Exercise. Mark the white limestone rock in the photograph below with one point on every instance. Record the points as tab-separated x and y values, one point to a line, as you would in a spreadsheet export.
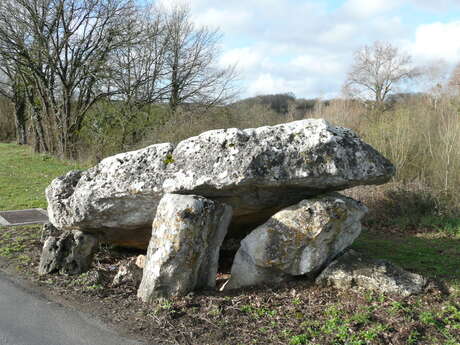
183	253
353	270
299	240
140	261
256	171
116	199
128	273
70	253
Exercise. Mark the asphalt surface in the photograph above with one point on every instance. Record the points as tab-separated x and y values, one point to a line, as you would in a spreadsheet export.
27	318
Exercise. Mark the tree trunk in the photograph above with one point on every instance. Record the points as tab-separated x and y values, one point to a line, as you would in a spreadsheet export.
174	98
40	139
20	120
70	148
41	142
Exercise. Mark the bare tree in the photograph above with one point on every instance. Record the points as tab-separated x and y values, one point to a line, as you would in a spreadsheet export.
16	85
137	71
191	62
69	54
138	76
64	45
170	61
12	88
376	70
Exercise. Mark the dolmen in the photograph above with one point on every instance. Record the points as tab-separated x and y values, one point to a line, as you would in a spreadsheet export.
274	186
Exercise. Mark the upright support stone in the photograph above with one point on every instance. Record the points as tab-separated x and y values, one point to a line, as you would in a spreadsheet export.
299	240
70	253
48	230
183	252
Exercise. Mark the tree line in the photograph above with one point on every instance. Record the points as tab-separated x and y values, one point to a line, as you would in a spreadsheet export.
58	58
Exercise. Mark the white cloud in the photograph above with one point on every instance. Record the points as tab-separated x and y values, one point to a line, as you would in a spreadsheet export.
302	87
306	75
264	84
331	65
338	33
223	19
368	8
306	47
437	41
436	5
269	84
245	58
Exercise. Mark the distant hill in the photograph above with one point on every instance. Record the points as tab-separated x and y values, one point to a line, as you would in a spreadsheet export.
281	102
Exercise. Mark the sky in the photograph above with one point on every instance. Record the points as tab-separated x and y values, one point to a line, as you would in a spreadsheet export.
306	46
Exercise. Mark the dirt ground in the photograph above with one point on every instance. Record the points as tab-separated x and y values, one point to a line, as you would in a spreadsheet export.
297	312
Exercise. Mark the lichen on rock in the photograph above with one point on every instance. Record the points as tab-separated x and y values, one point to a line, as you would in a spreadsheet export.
298	240
183	253
354	270
257	171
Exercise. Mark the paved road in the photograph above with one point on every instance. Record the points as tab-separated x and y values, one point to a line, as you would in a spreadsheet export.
29	319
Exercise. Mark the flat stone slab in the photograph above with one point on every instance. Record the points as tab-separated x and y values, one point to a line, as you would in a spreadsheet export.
23	217
256	171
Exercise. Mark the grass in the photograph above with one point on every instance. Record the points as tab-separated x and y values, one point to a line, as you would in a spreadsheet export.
446	225
20	244
25	175
435	253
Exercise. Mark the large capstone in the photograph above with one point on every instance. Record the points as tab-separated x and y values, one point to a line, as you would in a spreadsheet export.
183	253
356	271
256	171
70	253
299	240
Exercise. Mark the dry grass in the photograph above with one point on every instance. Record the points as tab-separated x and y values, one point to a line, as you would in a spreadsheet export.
420	136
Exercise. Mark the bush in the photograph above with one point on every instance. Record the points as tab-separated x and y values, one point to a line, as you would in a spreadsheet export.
113	127
185	123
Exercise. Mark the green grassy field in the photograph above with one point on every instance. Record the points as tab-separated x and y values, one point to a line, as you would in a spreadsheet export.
433	254
24	176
